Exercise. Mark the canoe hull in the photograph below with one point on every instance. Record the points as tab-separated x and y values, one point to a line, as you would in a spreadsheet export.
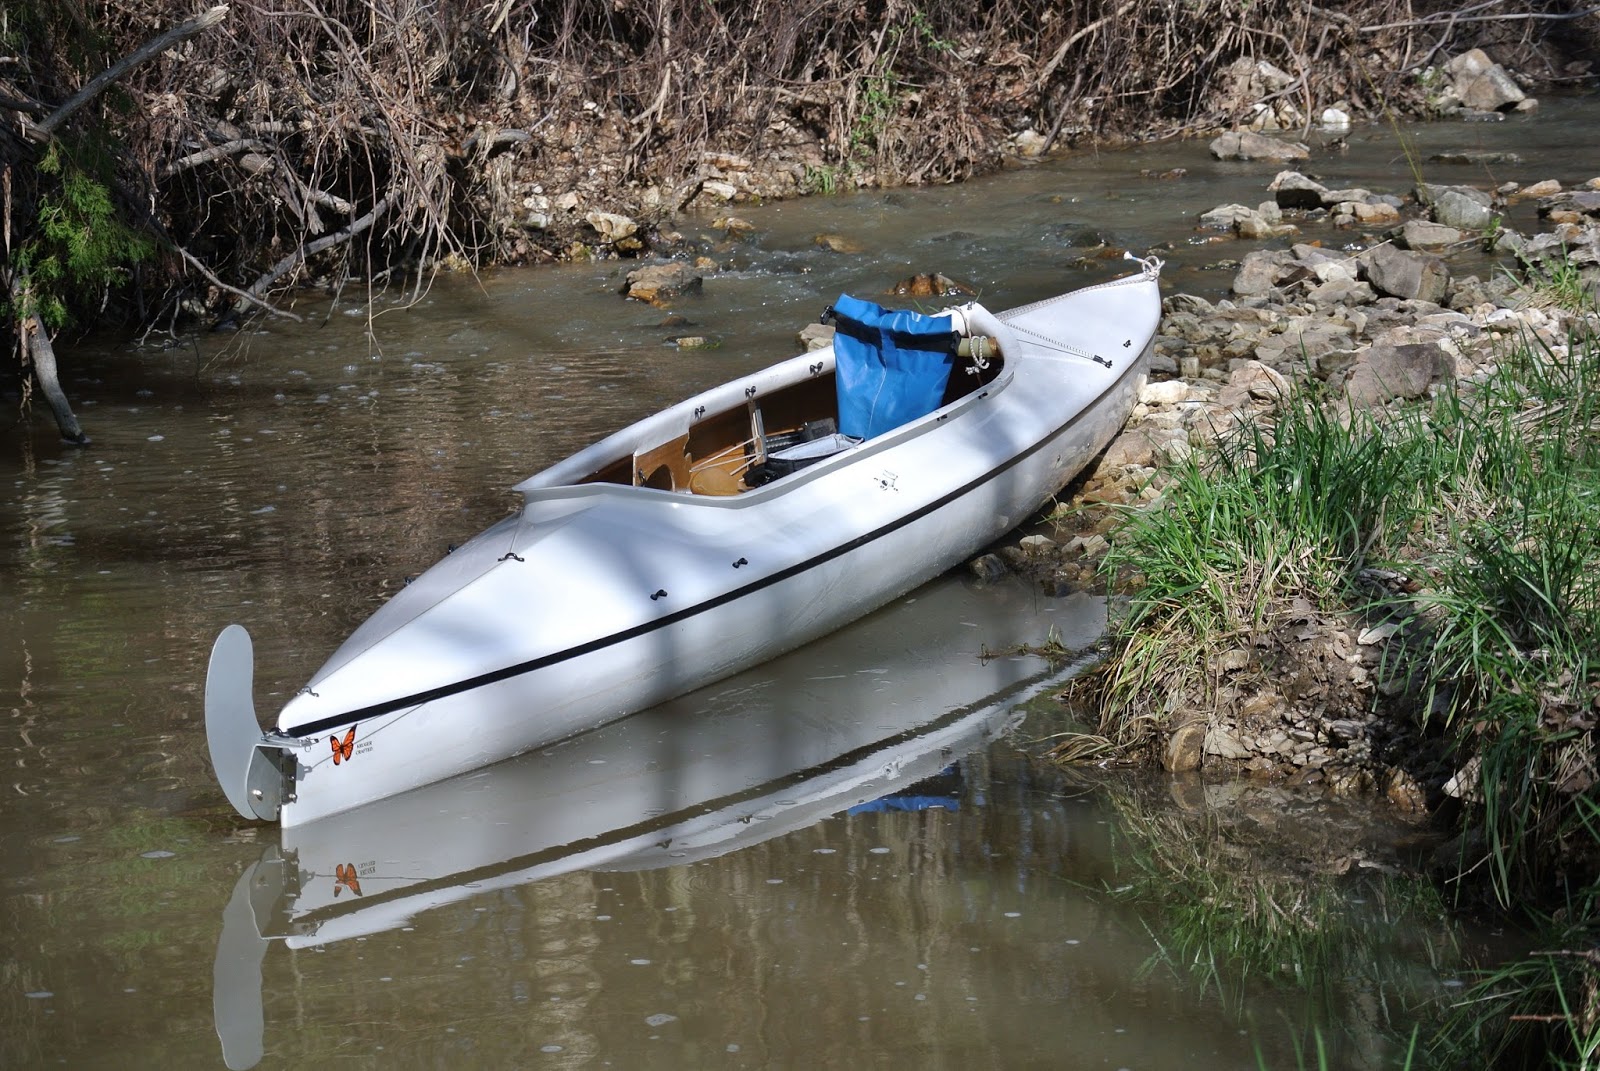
599	601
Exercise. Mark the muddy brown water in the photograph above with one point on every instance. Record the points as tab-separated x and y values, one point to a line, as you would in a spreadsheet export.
756	876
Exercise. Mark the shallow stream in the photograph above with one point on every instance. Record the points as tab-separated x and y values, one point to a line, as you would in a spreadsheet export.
755	876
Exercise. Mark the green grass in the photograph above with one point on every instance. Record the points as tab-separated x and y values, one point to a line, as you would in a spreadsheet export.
1487	497
1292	508
1560	282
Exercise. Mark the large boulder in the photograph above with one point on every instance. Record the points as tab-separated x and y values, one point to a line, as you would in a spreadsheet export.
1482	84
1248	145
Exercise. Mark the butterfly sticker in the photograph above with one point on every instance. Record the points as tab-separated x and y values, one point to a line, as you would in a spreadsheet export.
345	878
343	749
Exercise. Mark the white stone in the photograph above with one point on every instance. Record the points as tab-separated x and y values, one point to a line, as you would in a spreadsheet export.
1170	392
1329	271
1335	120
610	226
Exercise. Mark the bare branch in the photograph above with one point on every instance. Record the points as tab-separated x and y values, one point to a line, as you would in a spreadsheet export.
147	51
235	291
1061	51
1443	19
216	152
311	249
18	104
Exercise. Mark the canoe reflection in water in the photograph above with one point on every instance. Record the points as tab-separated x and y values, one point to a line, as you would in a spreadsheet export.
776	749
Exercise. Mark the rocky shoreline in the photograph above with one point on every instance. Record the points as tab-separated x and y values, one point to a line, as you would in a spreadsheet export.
594	218
1309	701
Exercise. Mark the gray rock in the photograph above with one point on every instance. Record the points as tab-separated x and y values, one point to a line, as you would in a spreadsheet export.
1292	190
1584	202
1189	303
1341	293
1354	194
1481	84
1420	235
1429	192
1258	272
1248	145
1227	217
1223	744
1385	372
1475	157
1305	341
1334	269
1252	382
1259	227
1454	208
1405	274
1310	255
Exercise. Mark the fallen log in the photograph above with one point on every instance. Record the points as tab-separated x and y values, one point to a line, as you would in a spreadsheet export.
152	48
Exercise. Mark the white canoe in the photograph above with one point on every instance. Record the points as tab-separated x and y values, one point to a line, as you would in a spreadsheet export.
641	567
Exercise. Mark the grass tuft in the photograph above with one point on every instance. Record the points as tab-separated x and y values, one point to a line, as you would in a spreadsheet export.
1487	499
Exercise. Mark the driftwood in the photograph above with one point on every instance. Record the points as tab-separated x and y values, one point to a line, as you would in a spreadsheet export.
36	348
244	296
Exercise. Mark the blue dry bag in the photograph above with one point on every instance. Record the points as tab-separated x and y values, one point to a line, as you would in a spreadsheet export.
891	367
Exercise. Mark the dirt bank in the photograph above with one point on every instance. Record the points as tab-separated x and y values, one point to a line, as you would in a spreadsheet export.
269	147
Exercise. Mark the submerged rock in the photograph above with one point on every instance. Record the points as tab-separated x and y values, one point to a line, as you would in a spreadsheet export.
1248	145
934	284
658	283
837	243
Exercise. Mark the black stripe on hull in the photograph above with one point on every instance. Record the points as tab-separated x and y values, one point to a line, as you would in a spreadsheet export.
336	721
